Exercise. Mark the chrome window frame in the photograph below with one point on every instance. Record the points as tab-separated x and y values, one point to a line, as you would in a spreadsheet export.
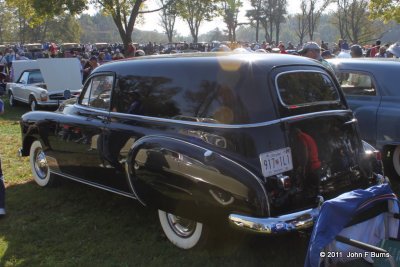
310	103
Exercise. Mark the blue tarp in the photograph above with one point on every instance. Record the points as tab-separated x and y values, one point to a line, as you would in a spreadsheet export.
336	213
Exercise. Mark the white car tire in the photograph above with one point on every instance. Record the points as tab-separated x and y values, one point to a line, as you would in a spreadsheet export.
396	160
40	168
11	100
183	233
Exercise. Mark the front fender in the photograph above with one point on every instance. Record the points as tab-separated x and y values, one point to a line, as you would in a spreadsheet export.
193	181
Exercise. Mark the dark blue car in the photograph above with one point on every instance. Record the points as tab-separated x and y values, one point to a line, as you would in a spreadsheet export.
372	90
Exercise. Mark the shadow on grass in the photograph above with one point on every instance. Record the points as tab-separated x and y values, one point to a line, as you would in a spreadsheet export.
74	225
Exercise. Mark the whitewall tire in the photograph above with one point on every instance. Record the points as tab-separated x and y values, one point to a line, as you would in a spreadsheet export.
183	233
40	168
396	160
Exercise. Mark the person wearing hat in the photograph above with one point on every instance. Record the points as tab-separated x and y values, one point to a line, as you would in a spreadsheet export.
326	54
313	50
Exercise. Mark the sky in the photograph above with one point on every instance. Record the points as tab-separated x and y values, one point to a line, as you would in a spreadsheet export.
151	22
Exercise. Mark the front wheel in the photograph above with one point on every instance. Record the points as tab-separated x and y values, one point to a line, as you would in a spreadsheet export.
39	166
183	233
11	100
33	104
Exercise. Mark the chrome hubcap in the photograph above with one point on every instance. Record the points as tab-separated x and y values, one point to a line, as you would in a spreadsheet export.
41	166
11	100
181	226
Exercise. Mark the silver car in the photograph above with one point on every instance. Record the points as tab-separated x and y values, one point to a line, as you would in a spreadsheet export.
44	82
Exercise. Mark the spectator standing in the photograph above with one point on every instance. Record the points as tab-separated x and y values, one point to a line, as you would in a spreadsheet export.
2	187
131	50
282	48
92	64
375	49
382	52
118	55
356	51
345	45
313	50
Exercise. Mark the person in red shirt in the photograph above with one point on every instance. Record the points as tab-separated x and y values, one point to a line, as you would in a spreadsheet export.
310	177
282	48
375	49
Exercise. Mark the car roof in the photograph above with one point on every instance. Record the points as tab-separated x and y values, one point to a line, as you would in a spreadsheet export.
368	63
269	60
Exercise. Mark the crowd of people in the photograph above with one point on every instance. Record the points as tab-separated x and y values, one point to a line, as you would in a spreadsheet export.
93	55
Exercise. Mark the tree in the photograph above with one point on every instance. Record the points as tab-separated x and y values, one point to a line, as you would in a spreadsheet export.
301	22
194	12
314	10
278	15
167	18
386	10
352	21
7	22
255	15
230	16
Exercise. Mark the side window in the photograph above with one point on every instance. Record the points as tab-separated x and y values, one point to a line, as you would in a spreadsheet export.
24	78
209	97
355	83
303	88
35	77
97	93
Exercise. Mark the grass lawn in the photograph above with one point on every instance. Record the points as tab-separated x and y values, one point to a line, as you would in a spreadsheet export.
76	225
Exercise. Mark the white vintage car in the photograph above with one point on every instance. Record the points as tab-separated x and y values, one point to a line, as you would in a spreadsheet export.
44	82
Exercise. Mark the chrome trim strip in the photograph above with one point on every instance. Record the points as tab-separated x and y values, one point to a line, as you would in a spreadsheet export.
131	185
304	104
234	162
275	225
109	189
215	125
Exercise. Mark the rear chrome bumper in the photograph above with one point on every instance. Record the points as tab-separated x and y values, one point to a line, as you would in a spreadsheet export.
275	225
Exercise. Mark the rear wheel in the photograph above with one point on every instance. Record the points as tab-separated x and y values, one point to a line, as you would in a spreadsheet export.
182	232
39	166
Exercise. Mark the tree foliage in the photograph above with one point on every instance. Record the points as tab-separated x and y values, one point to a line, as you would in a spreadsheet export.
230	11
352	21
194	12
168	18
386	10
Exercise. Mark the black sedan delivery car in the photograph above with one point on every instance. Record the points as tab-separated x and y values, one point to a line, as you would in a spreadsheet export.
255	140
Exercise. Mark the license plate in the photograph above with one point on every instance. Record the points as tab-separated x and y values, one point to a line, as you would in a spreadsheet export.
276	162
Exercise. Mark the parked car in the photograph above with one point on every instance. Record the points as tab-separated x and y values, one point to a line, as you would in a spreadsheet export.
371	87
254	140
44	82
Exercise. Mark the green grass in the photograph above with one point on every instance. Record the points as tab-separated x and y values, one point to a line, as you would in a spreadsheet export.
76	225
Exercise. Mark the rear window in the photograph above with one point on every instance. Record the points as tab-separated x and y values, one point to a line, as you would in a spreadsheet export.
305	88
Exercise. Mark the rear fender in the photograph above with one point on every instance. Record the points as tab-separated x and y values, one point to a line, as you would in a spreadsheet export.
192	181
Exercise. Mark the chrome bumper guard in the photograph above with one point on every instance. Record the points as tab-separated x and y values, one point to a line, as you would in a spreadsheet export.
275	225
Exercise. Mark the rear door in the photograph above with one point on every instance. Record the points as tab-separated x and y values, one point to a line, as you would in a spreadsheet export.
320	131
